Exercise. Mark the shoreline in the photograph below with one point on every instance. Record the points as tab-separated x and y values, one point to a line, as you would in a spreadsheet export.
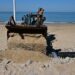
46	23
59	22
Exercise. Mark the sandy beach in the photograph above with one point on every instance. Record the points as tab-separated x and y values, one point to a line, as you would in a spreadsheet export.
64	37
30	52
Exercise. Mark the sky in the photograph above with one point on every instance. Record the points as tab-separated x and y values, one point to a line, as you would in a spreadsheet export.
33	5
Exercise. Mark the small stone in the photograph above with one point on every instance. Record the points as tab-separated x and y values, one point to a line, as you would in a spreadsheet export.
29	62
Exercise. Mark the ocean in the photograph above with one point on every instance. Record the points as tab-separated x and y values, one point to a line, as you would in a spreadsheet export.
51	17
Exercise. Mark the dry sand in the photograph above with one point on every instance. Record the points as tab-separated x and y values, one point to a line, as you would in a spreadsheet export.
3	38
25	57
65	35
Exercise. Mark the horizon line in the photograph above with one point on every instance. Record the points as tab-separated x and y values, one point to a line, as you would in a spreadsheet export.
35	11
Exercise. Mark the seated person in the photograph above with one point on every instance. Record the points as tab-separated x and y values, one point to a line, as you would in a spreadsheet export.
11	21
39	19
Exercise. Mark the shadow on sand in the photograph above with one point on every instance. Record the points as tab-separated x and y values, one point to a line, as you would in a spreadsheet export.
56	52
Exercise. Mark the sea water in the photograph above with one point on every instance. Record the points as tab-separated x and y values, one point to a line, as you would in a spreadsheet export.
51	17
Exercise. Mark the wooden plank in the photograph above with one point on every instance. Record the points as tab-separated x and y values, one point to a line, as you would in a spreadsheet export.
27	29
